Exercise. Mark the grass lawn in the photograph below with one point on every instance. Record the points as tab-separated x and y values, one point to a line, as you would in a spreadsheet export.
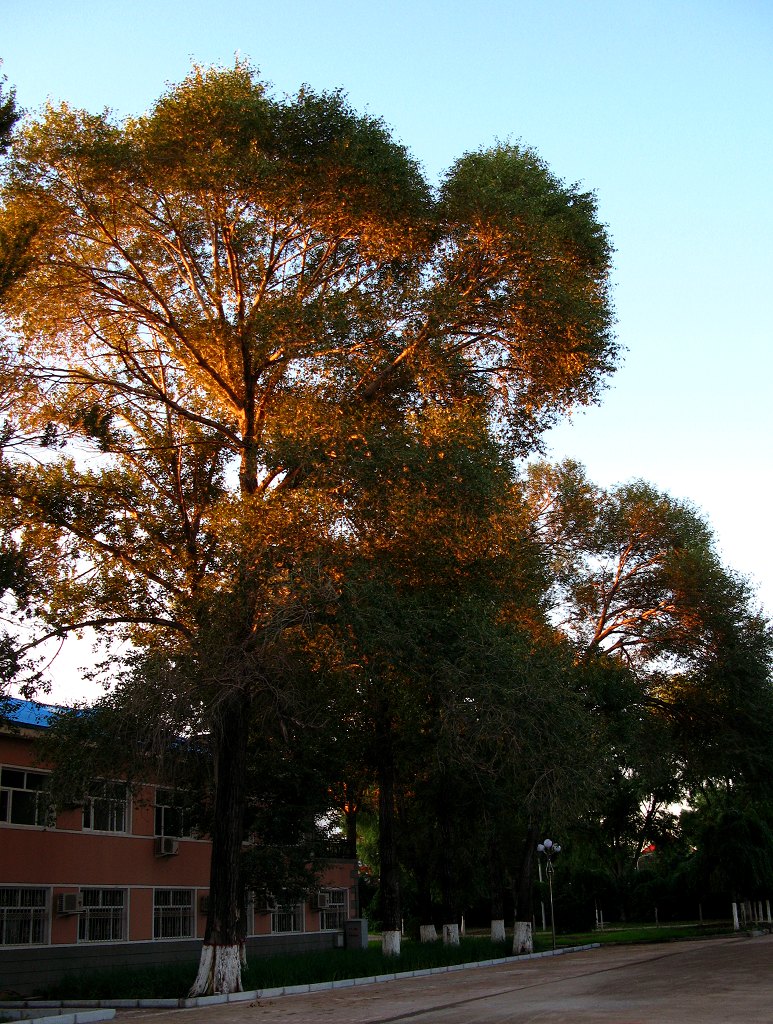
333	965
644	933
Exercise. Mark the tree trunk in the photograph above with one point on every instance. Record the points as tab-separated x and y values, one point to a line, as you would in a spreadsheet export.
523	941
450	925
221	957
496	888
387	846
427	929
350	807
351	833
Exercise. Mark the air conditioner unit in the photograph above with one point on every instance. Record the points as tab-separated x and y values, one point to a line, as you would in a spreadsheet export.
203	904
167	847
69	903
321	900
268	905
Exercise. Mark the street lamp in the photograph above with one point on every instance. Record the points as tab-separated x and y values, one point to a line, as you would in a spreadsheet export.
550	850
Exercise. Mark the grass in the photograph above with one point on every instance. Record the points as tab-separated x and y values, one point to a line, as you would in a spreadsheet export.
648	933
174	981
166	981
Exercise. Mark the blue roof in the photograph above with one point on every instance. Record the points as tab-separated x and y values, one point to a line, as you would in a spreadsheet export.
28	712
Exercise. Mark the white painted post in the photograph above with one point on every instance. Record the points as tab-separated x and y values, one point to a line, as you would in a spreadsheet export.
736	922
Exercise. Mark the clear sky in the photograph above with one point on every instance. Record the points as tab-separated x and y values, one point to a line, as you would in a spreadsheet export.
664	108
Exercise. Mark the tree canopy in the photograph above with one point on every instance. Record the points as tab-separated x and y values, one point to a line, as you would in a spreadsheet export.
229	318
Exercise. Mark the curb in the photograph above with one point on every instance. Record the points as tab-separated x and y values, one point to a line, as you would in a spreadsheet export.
62	1017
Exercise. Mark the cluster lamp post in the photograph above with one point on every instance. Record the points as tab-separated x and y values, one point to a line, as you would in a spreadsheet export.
550	850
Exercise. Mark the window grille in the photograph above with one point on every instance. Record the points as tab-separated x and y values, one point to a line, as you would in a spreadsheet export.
104	915
24	798
23	916
336	913
287	919
173	914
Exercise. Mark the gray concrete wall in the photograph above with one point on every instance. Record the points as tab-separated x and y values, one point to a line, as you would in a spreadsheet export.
24	970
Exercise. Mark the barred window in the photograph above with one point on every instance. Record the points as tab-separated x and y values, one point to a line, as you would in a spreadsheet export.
106	809
173	914
24	798
336	913
170	815
287	919
104	915
23	916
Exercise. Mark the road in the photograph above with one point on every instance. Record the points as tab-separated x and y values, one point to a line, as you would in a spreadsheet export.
715	981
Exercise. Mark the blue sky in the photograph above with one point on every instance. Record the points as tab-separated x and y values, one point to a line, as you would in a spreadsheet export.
664	109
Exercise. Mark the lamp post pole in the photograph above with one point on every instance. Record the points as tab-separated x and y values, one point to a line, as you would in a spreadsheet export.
550	849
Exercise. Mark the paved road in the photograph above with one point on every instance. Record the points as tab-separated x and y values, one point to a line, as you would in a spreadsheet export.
716	981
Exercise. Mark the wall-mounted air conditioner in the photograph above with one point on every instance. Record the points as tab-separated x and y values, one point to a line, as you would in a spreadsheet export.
167	847
204	905
69	903
321	900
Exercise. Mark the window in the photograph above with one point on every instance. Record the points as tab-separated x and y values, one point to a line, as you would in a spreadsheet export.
170	815
23	917
105	809
336	913
104	915
24	799
173	914
287	919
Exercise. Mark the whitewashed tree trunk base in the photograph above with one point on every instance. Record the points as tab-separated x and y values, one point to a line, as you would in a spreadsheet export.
450	934
390	943
498	931
523	941
220	971
427	933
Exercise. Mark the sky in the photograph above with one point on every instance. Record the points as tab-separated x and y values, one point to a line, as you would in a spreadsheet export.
663	109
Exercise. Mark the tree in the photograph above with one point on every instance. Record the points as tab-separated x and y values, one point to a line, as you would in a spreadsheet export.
15	237
674	657
438	551
222	299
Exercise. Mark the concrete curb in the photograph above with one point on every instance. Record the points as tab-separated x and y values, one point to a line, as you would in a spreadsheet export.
62	1017
104	1009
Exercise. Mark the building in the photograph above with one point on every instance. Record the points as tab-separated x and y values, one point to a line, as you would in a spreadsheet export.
121	880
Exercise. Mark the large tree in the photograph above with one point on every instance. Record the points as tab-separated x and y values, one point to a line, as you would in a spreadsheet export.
674	657
223	302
